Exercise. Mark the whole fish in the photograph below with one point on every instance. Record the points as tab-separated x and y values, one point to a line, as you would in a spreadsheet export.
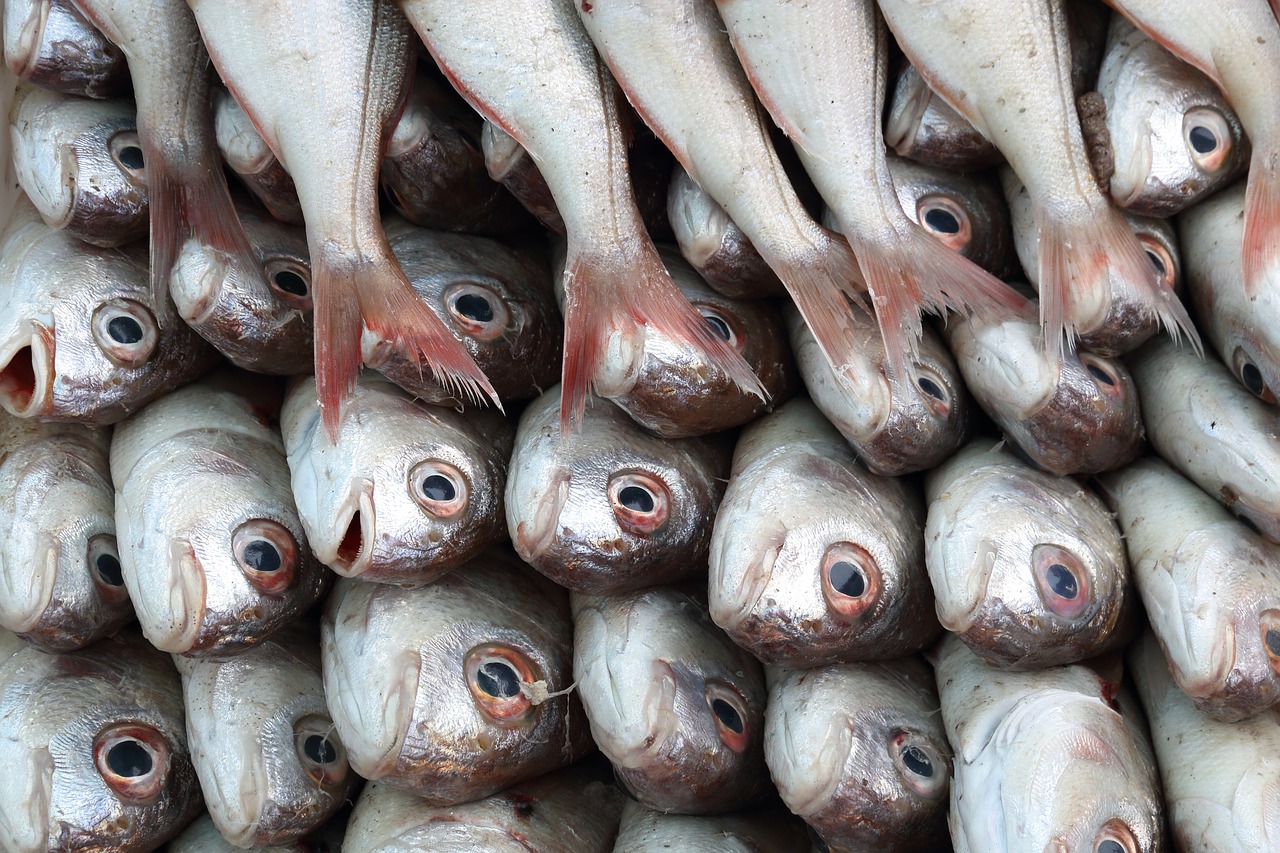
1028	567
647	831
509	163
202	836
50	43
406	492
94	748
1045	760
496	299
574	810
80	163
1006	67
1213	431
610	508
537	77
1210	587
323	83
894	430
1174	138
211	548
857	750
458	689
1243	327
252	160
1219	778
924	127
81	338
673	703
262	742
1074	414
832	571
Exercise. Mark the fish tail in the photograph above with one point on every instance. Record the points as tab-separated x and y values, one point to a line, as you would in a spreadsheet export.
602	295
1261	250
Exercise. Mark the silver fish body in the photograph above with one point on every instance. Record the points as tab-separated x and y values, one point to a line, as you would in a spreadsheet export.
508	162
1027	567
213	552
673	703
610	507
251	158
202	836
922	126
406	492
814	559
80	163
60	581
457	689
647	831
50	43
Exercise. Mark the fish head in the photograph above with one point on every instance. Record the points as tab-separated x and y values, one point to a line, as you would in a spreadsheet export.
1251	352
50	43
922	126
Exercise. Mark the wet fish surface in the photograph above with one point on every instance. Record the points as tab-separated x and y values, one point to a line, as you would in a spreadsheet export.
202	836
252	160
50	43
646	831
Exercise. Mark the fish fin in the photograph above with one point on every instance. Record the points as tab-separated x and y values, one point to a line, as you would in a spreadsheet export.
1261	250
370	289
602	295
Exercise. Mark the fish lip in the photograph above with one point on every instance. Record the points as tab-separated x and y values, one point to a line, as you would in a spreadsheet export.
905	113
533	537
200	265
187	587
14	380
32	28
361	502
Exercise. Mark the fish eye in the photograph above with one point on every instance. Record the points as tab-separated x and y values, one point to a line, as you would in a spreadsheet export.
477	311
1161	260
1103	374
126	332
729	710
640	501
1062	580
133	759
126	152
1270	634
495	676
1251	377
104	566
1115	837
290	281
850	580
726	327
920	764
439	488
267	554
320	752
1208	138
934	390
945	220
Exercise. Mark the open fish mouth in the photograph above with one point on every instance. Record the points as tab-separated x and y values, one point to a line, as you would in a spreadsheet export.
354	550
26	374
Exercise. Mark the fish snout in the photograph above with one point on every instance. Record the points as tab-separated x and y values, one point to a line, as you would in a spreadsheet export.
27	373
535	525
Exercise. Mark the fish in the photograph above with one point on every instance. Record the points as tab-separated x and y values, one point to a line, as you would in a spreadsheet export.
1006	68
262	742
80	163
922	126
94	747
251	159
895	430
211	547
495	298
60	582
1045	759
50	43
830	571
1075	414
1174	137
820	72
509	163
81	338
201	836
1240	325
1209	585
455	690
673	703
407	492
611	507
1219	779
857	750
1028	568
323	83
538	78
647	831
1214	432
575	809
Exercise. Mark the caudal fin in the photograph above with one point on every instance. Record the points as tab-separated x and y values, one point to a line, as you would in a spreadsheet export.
370	289
602	296
1261	250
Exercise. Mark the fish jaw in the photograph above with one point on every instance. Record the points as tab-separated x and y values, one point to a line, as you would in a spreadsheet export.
171	622
27	372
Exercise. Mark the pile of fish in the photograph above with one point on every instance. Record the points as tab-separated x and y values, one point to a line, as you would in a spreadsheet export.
681	425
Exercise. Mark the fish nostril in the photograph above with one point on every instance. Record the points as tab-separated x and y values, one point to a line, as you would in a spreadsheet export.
352	541
18	378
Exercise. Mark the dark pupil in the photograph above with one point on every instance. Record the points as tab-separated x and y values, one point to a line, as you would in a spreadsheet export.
727	714
1252	378
131	157
437	488
319	750
1273	642
720	326
1110	846
914	759
930	387
109	569
847	580
942	221
1062	582
290	282
1157	262
1099	374
261	556
636	499
129	759
124	330
1203	141
498	679
474	307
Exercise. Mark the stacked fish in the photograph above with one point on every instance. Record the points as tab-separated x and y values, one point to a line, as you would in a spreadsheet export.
324	430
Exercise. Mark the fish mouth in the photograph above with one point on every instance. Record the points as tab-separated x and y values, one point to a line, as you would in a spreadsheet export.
535	535
172	622
22	53
196	283
26	374
354	552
